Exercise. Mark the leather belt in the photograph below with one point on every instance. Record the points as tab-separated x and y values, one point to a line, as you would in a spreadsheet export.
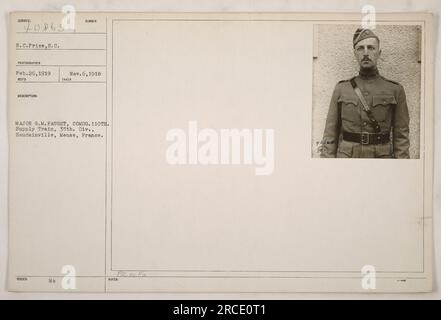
366	137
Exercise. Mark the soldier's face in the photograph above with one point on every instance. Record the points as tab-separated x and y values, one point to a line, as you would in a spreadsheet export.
367	52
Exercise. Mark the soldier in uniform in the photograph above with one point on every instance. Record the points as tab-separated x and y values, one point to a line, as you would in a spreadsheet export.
368	115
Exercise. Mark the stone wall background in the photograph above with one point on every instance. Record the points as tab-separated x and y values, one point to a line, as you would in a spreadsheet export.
334	61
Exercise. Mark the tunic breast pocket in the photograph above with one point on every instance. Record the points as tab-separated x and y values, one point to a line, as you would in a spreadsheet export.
349	109
381	106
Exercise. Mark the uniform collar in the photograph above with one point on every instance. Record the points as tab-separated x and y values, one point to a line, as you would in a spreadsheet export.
369	74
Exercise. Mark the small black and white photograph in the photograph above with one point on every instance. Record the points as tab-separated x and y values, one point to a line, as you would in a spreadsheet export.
366	91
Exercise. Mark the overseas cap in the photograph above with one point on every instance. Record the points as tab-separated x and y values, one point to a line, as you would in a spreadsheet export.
361	34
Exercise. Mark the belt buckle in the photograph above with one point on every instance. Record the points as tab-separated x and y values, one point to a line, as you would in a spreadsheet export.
364	138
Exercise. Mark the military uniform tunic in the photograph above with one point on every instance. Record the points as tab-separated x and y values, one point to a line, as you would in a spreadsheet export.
387	101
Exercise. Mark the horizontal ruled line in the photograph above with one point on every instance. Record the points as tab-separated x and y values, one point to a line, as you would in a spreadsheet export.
256	276
32	32
33	49
60	65
60	82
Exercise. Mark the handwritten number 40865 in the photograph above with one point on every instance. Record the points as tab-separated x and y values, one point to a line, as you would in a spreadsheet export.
44	27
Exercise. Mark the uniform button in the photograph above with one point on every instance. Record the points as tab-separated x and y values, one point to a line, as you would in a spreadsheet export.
364	123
